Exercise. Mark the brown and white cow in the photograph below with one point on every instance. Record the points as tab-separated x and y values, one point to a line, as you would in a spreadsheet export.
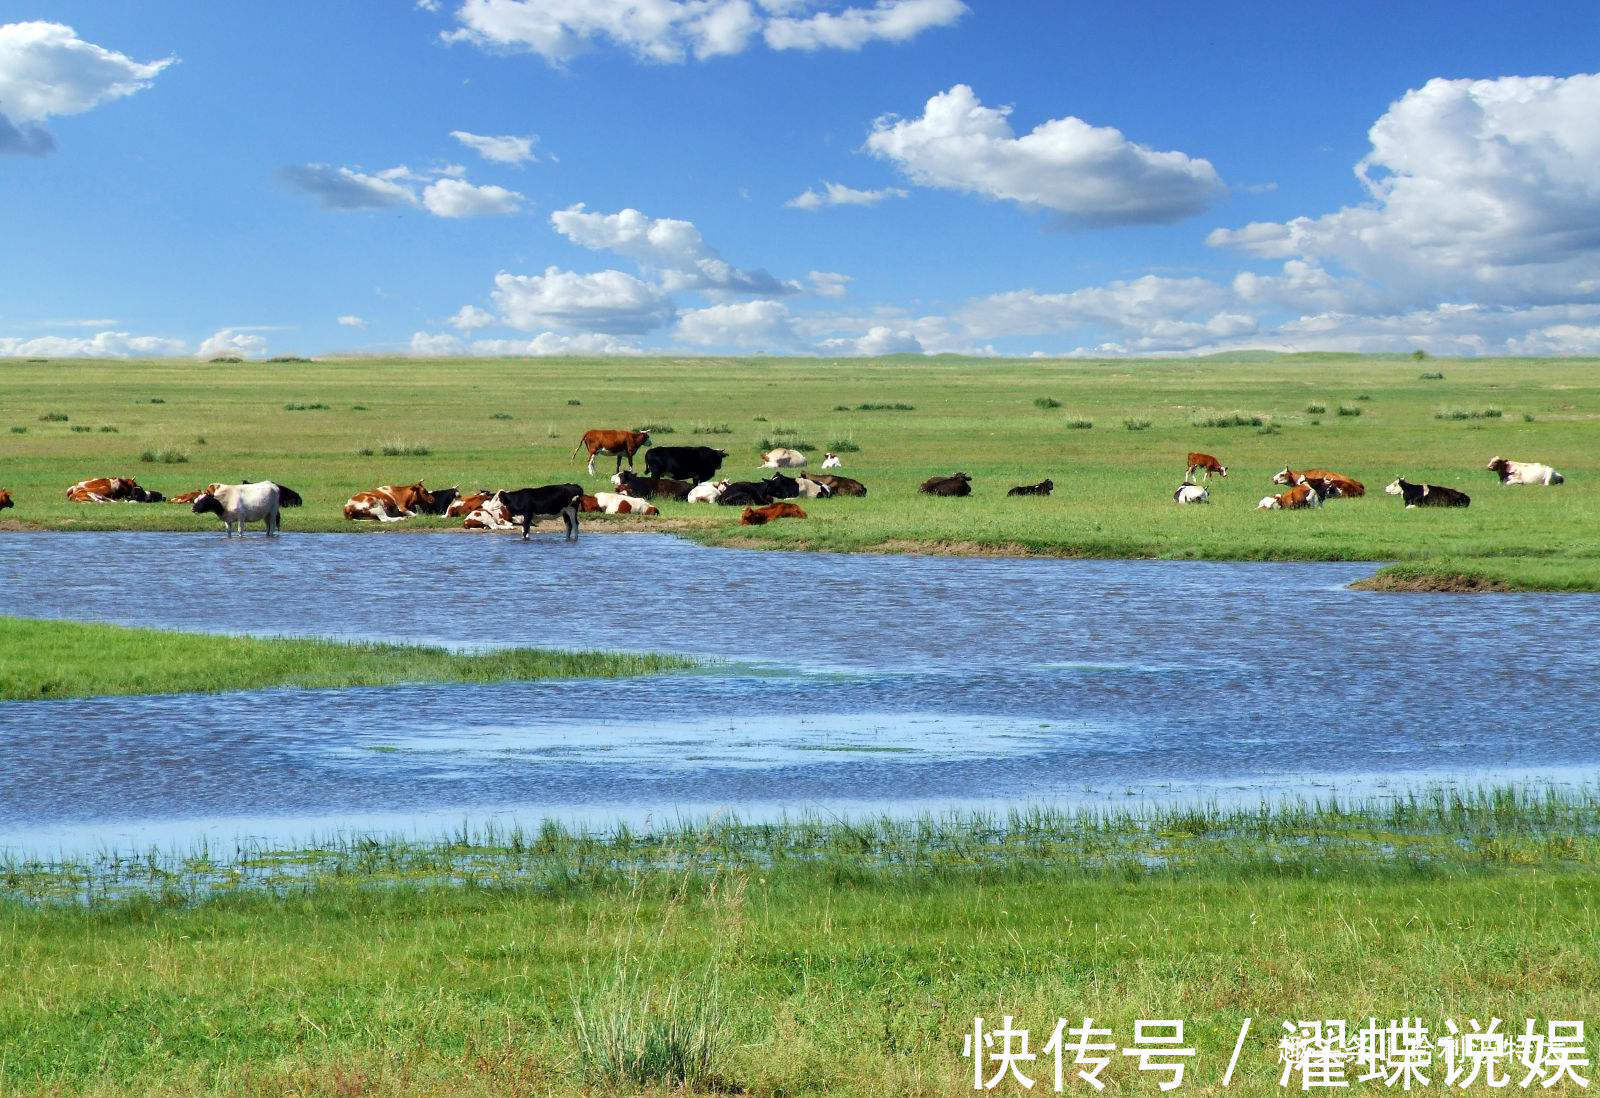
618	444
760	516
1524	472
5	499
1329	485
491	515
1204	463
111	490
190	497
389	503
1297	498
465	505
617	503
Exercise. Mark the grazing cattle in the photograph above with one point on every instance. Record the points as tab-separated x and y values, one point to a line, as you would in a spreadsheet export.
830	460
760	516
237	504
5	499
840	486
783	458
1524	472
615	503
1329	485
1190	492
1297	498
707	492
692	463
956	484
1427	495
390	503
465	505
552	499
812	488
620	444
1204	463
741	493
111	490
651	487
1043	488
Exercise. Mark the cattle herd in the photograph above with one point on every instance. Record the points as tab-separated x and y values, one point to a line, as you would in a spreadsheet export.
689	474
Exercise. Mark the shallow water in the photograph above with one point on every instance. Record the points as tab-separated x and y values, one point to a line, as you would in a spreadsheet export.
852	683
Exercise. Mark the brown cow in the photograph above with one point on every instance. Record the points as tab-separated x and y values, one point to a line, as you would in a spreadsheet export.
840	486
619	444
389	503
1204	463
5	499
1329	485
111	490
588	505
190	497
1300	496
465	505
956	484
760	516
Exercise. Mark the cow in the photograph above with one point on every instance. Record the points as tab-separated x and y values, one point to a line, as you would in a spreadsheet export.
1524	472
588	505
780	486
616	503
692	463
830	460
812	488
650	487
552	499
440	503
760	516
956	484
1427	495
618	444
840	486
707	492
389	503
783	458
190	497
237	504
1190	492
491	515
1043	488
5	499
1329	485
1298	498
465	505
740	493
111	490
1204	463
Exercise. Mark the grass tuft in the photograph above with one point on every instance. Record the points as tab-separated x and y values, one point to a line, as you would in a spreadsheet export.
295	406
1046	402
1316	409
711	429
1079	424
659	428
632	1036
844	446
1432	375
1136	424
53	417
1468	413
166	455
1349	410
1231	419
397	448
880	408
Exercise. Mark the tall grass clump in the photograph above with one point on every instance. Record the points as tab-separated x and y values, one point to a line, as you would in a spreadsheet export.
632	1036
1468	413
1349	410
1316	409
843	446
1433	375
711	429
502	415
1136	424
108	429
18	430
793	444
398	448
1046	402
53	417
295	406
659	428
158	400
80	429
574	402
1079	424
881	408
1231	419
1527	417
167	455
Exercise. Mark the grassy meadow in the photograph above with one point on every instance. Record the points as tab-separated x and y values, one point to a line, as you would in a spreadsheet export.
1112	435
64	659
799	958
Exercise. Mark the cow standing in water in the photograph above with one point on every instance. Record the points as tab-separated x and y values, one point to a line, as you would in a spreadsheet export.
237	504
531	503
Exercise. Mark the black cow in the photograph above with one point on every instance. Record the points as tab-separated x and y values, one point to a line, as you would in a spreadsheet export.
553	499
1428	495
442	499
693	463
288	497
630	484
782	487
144	495
1043	488
746	493
956	484
839	486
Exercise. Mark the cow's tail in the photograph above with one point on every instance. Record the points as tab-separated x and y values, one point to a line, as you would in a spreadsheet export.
576	448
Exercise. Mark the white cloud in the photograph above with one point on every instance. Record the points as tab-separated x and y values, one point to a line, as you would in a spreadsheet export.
100	345
435	344
506	149
46	70
470	318
837	194
1126	306
670	31
1091	175
351	321
761	324
553	343
607	301
232	341
880	339
829	283
458	198
346	189
670	246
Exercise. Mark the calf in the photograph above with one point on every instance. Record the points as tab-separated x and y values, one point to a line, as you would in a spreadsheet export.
5	499
783	458
1297	498
619	444
652	486
1043	488
1329	485
956	484
552	499
740	493
1427	495
1524	472
1204	463
237	504
1190	492
830	460
840	486
693	463
707	492
760	516
614	503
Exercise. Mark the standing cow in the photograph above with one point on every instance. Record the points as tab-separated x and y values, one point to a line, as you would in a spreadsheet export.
1204	463
692	463
531	503
237	504
618	444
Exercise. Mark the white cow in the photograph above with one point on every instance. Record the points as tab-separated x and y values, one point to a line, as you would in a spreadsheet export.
831	461
242	503
812	489
615	503
1190	492
707	491
782	458
1524	472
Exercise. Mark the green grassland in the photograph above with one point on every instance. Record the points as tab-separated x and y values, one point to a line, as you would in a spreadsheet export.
805	958
323	428
63	659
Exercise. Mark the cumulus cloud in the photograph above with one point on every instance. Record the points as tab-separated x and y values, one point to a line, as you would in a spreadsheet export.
337	188
837	194
880	339
761	325
441	192
506	149
46	71
458	198
435	344
469	318
829	283
610	301
668	246
351	321
232	341
670	31
554	343
99	345
1090	175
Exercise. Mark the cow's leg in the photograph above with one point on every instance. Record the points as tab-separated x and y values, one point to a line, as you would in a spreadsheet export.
619	460
569	515
591	462
527	525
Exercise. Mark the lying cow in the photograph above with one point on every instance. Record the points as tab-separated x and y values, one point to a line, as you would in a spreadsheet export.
1190	492
1329	485
617	503
390	503
111	490
1427	495
465	505
237	504
5	499
1043	488
490	515
956	484
618	444
760	516
190	497
742	493
552	499
691	463
812	488
1204	463
783	458
707	492
1524	472
830	460
442	499
840	486
652	486
1298	498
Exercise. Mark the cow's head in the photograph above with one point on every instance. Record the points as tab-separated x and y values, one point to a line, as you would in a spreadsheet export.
1287	476
207	504
1499	465
642	437
1394	488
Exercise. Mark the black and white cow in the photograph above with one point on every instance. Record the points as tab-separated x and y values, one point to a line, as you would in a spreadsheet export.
528	504
746	493
1427	495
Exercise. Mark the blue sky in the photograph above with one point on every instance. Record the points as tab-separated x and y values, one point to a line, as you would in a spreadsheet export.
1169	179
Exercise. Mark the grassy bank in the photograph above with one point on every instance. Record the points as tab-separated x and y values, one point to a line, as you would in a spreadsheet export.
61	659
328	428
803	958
